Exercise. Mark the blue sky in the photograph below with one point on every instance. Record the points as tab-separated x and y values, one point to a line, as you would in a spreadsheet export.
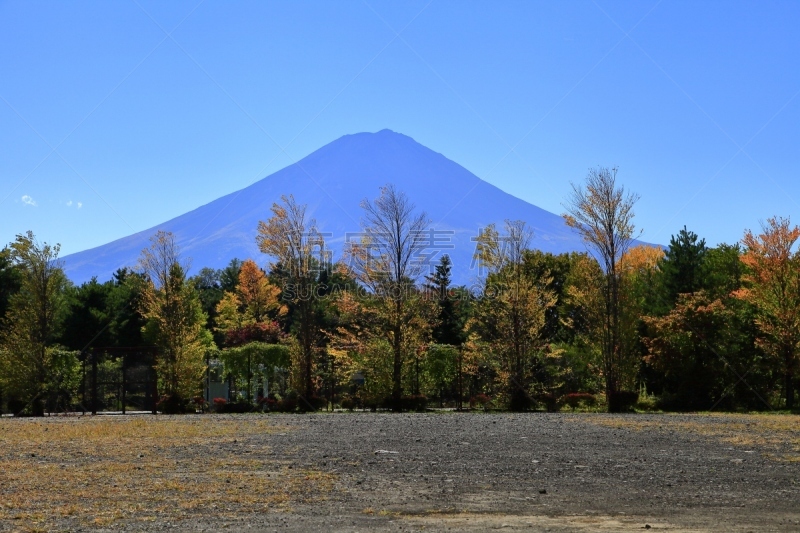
115	116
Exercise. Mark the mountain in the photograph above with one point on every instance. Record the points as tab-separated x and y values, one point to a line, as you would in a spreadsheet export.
332	181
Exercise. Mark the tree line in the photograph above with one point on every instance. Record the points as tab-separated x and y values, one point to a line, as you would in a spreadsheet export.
621	326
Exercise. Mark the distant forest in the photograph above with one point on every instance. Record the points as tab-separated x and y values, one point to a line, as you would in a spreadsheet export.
625	327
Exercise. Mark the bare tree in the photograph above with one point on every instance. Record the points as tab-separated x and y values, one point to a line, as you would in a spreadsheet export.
298	246
157	261
389	259
603	214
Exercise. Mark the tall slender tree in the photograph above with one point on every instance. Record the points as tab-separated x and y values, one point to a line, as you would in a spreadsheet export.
602	213
450	326
175	320
388	260
295	243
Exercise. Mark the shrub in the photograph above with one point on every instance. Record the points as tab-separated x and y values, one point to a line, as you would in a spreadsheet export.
221	405
415	402
348	403
268	403
238	407
520	402
578	399
549	400
316	402
17	407
286	405
622	401
480	400
200	403
219	402
647	402
172	404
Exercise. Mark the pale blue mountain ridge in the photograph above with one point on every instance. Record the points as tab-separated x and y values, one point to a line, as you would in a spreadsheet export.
333	181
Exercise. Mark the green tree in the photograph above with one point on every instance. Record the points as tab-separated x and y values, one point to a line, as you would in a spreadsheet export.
88	320
440	370
695	346
683	268
449	328
123	306
511	315
252	363
29	366
724	270
9	280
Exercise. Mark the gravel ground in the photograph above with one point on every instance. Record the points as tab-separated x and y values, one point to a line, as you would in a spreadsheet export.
476	472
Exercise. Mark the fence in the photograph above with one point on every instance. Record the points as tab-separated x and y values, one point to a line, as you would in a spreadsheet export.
119	380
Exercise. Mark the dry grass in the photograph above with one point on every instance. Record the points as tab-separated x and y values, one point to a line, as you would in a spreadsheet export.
776	435
60	473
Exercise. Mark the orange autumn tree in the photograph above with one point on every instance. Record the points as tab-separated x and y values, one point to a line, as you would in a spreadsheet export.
251	309
772	286
638	269
257	294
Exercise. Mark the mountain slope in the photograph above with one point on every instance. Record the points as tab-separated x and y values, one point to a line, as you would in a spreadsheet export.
332	181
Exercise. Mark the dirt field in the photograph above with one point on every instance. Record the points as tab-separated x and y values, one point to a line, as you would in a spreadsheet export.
432	472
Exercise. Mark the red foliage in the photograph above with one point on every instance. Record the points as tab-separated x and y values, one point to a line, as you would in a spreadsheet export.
481	400
269	332
574	399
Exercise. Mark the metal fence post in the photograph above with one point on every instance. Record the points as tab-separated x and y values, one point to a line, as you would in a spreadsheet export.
124	384
94	382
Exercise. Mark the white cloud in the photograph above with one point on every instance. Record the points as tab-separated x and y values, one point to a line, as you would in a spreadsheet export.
69	203
80	204
27	200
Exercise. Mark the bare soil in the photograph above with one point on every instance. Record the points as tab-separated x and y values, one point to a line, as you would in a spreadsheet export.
410	472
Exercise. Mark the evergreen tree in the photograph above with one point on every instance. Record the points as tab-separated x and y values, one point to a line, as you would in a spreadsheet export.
682	271
9	280
127	323
88	317
450	327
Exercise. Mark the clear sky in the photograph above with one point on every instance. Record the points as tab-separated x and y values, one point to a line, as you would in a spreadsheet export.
118	115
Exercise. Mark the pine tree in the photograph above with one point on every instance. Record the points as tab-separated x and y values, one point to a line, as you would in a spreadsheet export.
682	271
450	327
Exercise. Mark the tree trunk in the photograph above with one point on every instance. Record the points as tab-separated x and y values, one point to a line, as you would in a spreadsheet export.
308	351
397	377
